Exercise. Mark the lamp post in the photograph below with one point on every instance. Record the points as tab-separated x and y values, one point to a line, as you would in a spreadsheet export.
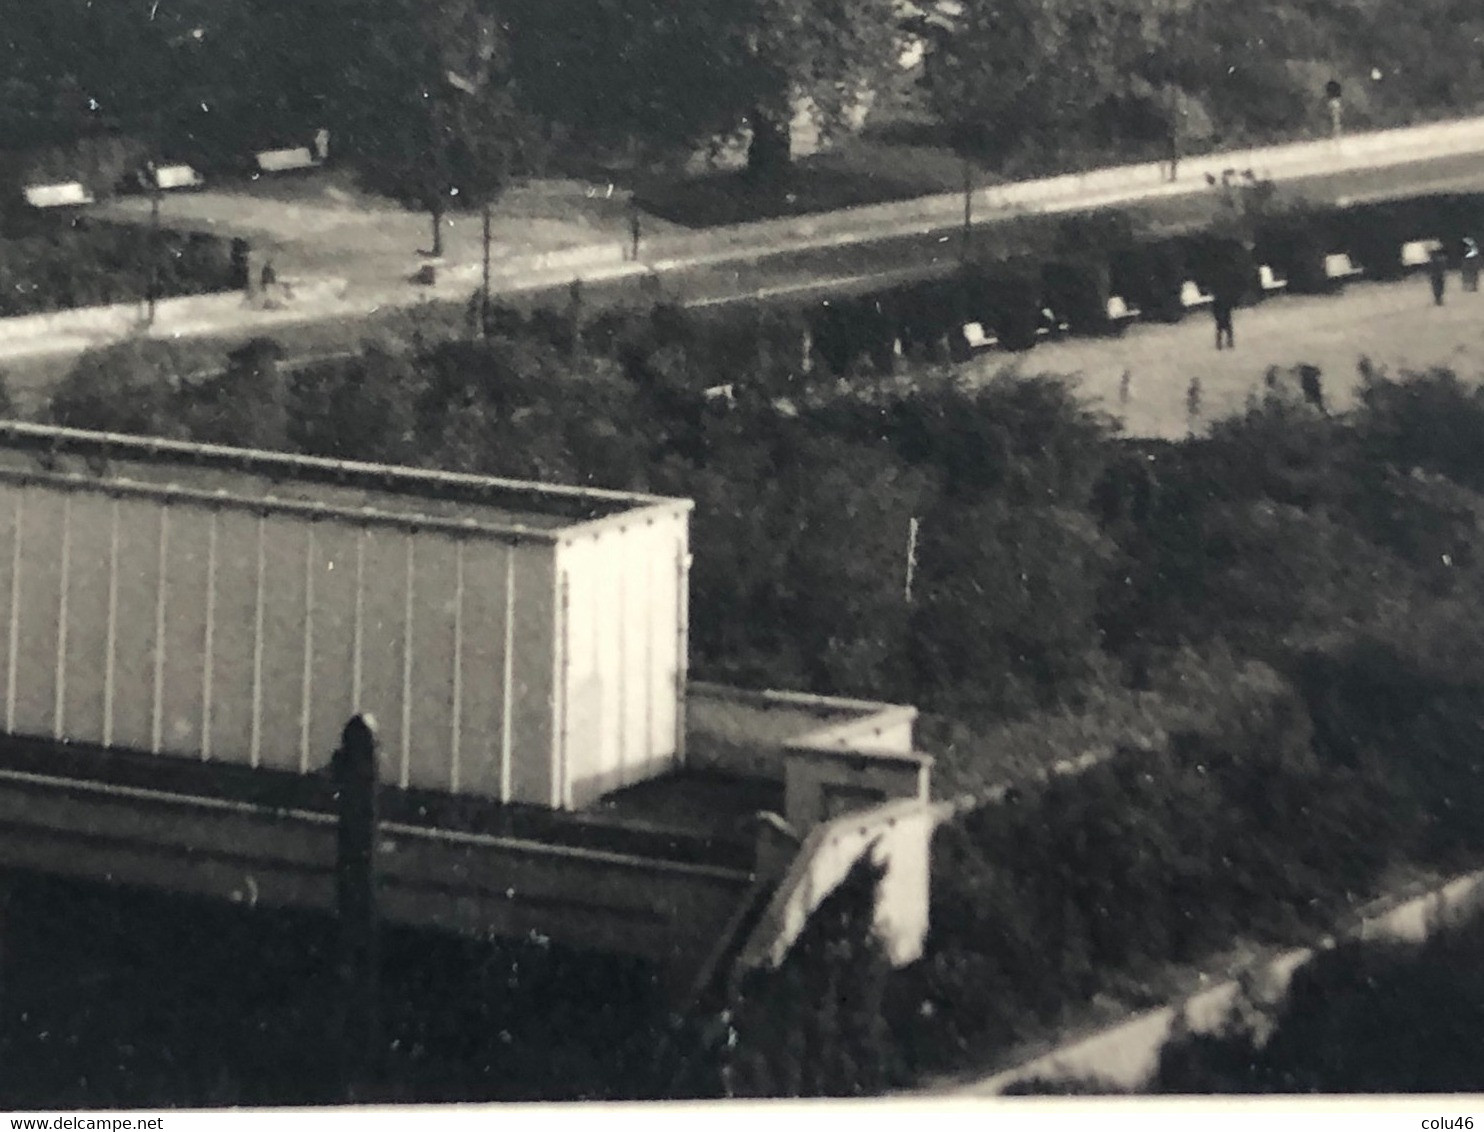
484	290
152	168
968	210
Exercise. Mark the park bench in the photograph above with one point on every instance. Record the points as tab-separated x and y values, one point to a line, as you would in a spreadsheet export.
1268	280
66	194
168	177
1119	313
1192	297
1418	253
286	160
1338	268
978	338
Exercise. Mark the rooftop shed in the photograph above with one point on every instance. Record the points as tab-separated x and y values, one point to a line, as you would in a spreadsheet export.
516	641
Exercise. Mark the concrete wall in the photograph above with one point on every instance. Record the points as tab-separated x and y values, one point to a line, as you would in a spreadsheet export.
897	835
821	785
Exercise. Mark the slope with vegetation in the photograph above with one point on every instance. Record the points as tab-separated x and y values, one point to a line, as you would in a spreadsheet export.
1262	635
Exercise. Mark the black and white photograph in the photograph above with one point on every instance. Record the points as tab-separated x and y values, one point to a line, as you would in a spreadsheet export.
920	551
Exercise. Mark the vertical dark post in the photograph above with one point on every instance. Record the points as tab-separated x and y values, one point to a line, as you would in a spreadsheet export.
574	303
153	168
154	244
968	209
355	774
484	293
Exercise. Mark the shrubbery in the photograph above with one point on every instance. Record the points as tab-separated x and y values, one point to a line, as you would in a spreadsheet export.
1337	1030
95	264
1279	617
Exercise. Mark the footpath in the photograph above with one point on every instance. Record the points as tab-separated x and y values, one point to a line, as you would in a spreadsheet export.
327	298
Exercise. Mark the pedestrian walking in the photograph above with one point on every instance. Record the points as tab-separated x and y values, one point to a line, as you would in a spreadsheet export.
1193	402
634	233
1222	305
1172	151
1472	262
1437	275
268	277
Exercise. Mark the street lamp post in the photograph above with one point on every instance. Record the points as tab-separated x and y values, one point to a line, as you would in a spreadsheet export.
968	209
484	292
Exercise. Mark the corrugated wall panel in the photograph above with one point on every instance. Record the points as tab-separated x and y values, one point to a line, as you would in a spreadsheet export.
90	542
580	726
138	581
610	551
40	593
10	596
533	672
663	613
234	637
332	694
383	643
285	618
483	663
434	612
634	663
181	691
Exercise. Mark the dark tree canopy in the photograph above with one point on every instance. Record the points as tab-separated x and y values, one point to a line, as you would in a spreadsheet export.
428	113
676	75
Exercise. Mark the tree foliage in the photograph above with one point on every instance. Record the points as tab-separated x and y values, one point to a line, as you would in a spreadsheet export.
678	75
429	116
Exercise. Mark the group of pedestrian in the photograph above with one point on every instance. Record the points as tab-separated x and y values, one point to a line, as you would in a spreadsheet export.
1469	267
1224	298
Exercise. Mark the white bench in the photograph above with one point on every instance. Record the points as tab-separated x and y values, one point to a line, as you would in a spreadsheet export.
977	338
1269	281
286	160
1191	295
169	177
67	194
1337	268
1419	253
1119	311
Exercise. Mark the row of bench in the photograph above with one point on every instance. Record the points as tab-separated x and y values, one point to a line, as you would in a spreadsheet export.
180	176
1339	268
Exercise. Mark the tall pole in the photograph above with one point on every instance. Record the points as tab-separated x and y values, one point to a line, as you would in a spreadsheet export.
968	208
484	293
153	169
911	556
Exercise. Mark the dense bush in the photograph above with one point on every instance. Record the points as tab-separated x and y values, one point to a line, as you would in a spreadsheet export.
1336	1031
1232	827
94	264
1293	600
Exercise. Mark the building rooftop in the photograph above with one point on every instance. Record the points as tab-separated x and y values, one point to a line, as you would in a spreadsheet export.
400	496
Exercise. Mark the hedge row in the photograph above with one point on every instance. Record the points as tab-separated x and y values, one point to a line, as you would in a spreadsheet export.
88	263
1021	299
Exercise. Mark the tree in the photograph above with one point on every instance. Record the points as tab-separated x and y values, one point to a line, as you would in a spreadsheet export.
679	75
429	117
1020	70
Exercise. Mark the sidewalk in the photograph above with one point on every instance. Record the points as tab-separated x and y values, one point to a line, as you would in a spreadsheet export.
603	258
